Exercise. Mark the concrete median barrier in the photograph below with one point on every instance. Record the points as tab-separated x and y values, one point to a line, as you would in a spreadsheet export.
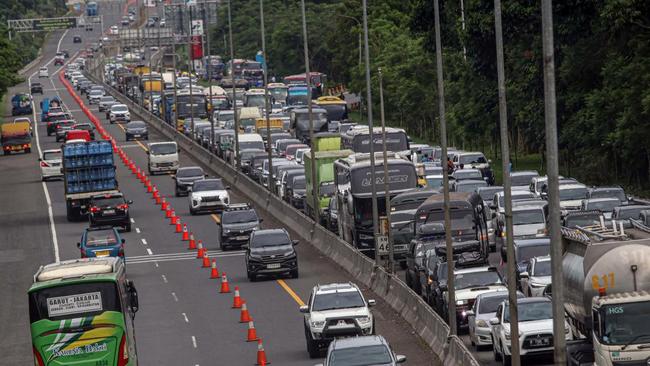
411	307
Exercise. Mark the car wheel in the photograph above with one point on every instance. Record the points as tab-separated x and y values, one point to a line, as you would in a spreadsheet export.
127	227
374	327
294	273
222	246
251	276
495	346
312	345
192	211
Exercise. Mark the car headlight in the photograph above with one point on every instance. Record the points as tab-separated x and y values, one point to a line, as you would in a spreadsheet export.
506	332
317	324
537	285
482	324
461	302
364	320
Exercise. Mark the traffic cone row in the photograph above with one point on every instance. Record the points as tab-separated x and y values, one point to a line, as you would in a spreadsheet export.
238	302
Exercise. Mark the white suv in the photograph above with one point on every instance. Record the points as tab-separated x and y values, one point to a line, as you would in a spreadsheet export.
208	195
336	310
535	328
119	112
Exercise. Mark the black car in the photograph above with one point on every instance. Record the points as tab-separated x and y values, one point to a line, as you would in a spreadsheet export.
86	127
84	87
136	130
36	88
271	252
428	236
185	177
236	224
62	127
110	209
76	39
66	53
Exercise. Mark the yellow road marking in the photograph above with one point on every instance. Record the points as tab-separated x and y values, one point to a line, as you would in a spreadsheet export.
136	141
291	293
216	218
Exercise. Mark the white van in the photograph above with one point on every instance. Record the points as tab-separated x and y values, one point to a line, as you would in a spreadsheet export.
163	157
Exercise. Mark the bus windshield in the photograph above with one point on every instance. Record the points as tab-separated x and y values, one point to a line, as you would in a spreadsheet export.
335	112
73	301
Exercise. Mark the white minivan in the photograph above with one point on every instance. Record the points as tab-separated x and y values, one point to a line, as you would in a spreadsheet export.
163	157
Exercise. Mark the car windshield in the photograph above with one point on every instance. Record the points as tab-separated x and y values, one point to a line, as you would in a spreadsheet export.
607	193
108	201
567	194
96	93
470	187
434	181
52	155
100	238
120	108
136	124
272	239
360	356
238	217
338	300
542	268
516	197
489	304
476	279
104	297
162	149
461	219
520	217
467	174
208	185
106	99
299	183
521	179
604	206
581	220
625	323
189	172
488	193
530	311
530	251
472	159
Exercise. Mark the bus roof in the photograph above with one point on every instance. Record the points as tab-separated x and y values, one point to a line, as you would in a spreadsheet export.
77	268
457	200
363	159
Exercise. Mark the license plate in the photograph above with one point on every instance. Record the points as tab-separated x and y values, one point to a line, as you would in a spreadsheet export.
102	253
273	266
109	212
241	237
137	135
540	342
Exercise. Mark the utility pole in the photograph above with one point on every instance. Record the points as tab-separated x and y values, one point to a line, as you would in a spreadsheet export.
314	188
190	63
451	293
391	252
206	22
507	188
234	95
375	211
552	169
267	110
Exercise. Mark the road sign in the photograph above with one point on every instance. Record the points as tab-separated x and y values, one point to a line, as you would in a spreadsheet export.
54	23
382	244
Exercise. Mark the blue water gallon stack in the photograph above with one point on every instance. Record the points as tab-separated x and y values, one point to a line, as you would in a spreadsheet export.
89	166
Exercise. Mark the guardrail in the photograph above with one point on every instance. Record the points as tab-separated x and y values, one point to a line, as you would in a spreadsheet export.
411	307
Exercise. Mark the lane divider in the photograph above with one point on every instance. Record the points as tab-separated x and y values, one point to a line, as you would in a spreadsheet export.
171	214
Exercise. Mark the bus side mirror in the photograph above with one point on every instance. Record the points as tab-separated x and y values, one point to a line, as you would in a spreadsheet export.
133	296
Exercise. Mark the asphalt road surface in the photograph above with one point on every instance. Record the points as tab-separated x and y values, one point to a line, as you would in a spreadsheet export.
182	320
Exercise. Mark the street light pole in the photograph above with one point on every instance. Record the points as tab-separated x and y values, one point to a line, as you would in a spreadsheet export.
234	95
206	22
375	211
314	188
505	160
359	24
267	110
451	293
391	253
552	169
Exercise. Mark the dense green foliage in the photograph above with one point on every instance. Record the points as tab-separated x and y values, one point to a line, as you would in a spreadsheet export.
23	48
602	71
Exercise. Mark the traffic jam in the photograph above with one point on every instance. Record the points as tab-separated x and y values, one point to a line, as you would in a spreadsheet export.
295	139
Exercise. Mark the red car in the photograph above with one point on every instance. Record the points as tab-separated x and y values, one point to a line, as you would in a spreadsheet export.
77	135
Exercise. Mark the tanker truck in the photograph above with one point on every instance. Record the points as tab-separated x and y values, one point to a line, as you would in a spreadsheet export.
607	303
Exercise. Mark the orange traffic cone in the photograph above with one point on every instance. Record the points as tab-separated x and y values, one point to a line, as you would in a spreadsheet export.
252	333
244	316
186	235
192	242
157	198
199	253
214	273
149	187
206	260
179	226
261	355
154	192
236	303
168	212
163	204
225	287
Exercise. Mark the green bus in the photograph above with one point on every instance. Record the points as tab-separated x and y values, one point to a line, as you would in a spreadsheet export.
81	313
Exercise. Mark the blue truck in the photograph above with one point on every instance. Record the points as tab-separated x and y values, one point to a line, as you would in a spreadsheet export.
88	170
91	9
21	104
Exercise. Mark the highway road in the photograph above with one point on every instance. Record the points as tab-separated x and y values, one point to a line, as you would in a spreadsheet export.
182	320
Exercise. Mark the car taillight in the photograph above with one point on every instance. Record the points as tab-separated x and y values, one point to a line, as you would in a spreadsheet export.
38	360
123	207
121	252
94	209
123	356
44	164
